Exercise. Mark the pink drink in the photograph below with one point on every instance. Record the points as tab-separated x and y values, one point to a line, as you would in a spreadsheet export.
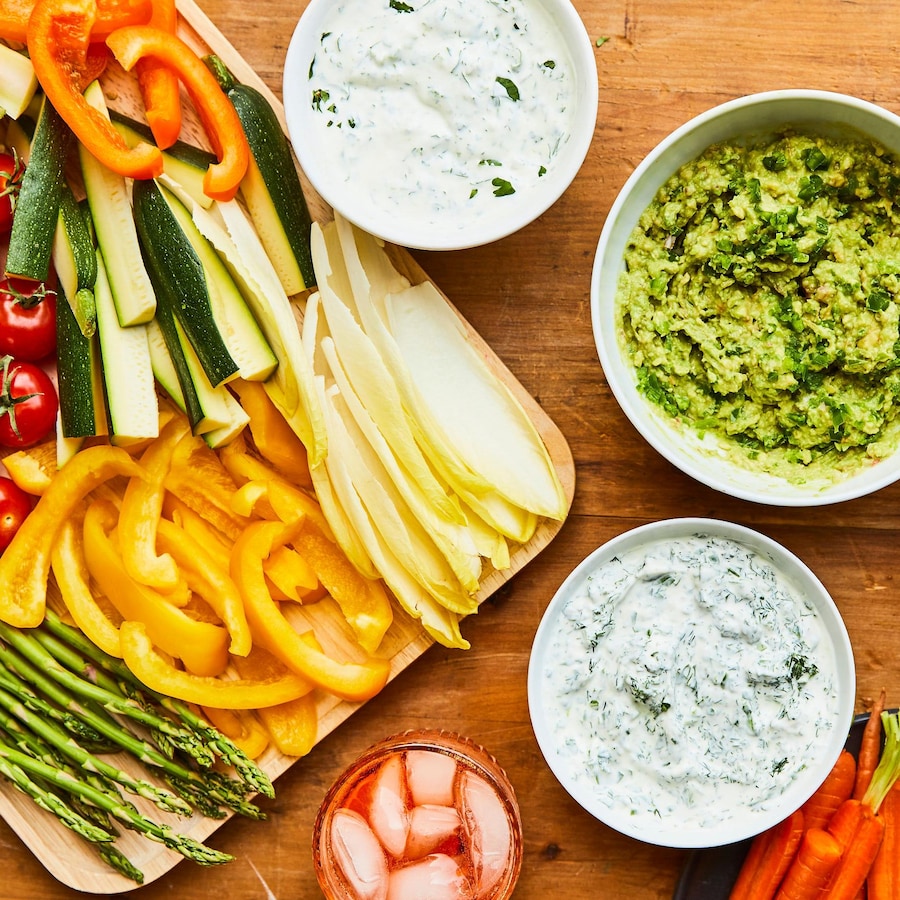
424	815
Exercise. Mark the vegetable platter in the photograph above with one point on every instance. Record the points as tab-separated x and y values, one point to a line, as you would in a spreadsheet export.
71	861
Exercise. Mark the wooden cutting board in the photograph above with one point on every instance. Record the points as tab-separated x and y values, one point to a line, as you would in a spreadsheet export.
66	856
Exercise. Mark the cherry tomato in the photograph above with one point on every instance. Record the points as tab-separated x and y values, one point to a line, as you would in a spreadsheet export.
28	404
27	319
11	170
15	505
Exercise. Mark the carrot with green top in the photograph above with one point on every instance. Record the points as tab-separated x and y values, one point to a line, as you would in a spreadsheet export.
808	875
768	859
869	748
834	790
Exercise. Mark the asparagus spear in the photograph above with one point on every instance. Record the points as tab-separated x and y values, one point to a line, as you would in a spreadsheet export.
222	746
36	647
76	754
122	812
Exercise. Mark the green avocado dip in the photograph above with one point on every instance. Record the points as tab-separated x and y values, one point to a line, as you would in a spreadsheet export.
761	297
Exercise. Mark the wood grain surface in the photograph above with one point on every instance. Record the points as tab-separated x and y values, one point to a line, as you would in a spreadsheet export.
527	296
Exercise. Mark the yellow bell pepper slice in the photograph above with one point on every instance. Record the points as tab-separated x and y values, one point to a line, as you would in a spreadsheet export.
200	481
275	440
33	468
348	680
72	578
25	564
242	726
363	602
292	726
160	675
213	541
140	511
208	577
290	573
201	646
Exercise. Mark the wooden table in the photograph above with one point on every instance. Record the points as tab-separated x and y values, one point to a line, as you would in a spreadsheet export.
663	62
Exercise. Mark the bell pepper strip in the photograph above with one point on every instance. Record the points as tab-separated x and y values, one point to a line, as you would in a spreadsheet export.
211	539
58	38
217	114
290	573
201	646
140	511
159	85
199	480
242	727
159	674
33	468
275	440
111	14
73	580
252	499
348	680
25	564
291	503
207	576
363	602
293	726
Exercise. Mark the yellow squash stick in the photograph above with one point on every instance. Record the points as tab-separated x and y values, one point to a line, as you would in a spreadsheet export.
162	676
25	564
201	646
348	680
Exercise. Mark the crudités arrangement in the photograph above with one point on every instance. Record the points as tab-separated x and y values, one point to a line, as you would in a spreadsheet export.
251	489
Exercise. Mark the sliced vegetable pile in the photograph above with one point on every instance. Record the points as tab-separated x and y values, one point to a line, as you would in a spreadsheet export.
233	436
842	843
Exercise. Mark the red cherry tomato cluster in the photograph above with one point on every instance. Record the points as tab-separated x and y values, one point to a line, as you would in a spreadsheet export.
28	399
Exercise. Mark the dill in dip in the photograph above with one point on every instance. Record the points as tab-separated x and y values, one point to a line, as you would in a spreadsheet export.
686	679
433	106
760	303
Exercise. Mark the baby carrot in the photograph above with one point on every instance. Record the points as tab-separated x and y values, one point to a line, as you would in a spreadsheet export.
846	821
768	859
869	749
834	790
808	875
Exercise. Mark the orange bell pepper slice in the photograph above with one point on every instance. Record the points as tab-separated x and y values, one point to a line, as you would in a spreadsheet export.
25	564
217	114
111	14
158	84
201	646
348	680
159	674
58	38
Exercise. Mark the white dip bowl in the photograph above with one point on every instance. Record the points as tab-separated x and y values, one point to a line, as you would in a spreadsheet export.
691	683
439	125
709	460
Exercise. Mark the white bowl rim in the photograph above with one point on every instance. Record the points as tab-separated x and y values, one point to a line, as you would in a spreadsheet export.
419	237
653	425
795	571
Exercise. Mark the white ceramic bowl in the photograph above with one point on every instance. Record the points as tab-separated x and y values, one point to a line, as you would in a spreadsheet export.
754	116
349	189
731	817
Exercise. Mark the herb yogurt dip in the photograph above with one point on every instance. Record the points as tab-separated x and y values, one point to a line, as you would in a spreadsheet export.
687	679
761	299
437	106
